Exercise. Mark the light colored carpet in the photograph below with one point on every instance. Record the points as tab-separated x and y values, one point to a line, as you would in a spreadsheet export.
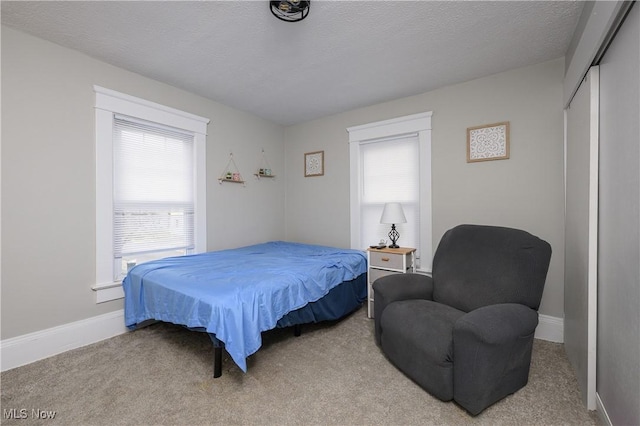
332	374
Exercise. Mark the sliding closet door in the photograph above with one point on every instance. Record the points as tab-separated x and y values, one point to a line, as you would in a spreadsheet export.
581	236
619	234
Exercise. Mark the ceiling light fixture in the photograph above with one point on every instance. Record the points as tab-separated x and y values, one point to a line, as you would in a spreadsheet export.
290	10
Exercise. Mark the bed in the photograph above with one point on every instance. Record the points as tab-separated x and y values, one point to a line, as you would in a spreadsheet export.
234	295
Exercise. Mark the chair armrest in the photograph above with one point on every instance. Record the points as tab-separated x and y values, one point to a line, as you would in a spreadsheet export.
392	288
492	352
404	286
496	324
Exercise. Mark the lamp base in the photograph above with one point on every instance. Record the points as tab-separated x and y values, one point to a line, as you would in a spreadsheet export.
393	236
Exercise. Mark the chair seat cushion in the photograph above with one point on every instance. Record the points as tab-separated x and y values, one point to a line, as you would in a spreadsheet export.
417	337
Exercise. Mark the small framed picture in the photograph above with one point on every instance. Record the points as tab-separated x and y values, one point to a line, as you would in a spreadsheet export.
488	142
314	164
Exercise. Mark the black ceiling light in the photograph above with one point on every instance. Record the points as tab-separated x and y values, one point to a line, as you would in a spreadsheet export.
290	10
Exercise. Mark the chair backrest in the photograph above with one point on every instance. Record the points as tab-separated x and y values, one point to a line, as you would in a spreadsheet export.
476	265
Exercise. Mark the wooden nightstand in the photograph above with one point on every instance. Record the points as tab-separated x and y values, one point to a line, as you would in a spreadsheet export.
387	261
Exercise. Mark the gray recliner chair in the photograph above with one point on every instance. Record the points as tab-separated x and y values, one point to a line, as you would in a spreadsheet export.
467	333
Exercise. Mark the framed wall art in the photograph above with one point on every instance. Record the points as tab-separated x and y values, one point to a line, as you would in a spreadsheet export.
488	142
314	164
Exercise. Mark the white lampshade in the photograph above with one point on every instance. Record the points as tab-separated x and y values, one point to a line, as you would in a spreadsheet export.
393	213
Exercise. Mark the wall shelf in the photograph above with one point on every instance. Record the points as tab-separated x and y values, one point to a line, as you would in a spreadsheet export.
264	169
229	180
231	173
262	175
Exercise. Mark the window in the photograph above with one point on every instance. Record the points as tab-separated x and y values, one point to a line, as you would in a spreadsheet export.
391	162
390	173
153	206
150	186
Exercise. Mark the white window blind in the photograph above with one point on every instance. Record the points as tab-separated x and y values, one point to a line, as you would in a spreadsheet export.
390	173
153	192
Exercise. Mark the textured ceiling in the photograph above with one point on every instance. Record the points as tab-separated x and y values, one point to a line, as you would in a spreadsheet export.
344	55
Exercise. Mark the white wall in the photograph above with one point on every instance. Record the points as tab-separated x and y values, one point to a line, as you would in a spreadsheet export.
525	191
48	178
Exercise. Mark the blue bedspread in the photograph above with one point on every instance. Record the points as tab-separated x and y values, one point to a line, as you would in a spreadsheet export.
238	293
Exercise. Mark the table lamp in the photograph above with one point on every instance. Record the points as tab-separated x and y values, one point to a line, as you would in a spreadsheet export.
393	213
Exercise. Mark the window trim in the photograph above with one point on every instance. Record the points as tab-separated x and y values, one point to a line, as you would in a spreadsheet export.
392	128
108	103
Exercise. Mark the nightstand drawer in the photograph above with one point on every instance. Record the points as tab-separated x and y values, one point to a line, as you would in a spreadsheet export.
388	260
374	274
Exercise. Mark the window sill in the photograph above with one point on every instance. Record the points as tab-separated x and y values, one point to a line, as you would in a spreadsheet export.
108	291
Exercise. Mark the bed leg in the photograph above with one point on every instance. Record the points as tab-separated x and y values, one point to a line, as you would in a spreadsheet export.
217	361
297	330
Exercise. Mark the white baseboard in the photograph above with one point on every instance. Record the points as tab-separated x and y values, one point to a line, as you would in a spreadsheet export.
32	347
602	411
550	328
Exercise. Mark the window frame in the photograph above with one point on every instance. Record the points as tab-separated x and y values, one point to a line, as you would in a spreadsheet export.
108	104
387	129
